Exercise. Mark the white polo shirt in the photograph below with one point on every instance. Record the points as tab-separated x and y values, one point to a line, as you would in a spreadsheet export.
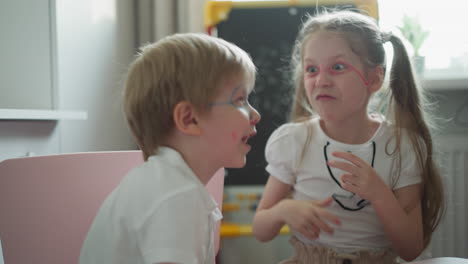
160	212
312	179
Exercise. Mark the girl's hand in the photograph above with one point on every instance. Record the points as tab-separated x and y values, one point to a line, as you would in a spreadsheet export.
308	217
361	178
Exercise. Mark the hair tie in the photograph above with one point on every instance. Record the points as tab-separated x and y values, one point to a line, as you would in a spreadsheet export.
386	36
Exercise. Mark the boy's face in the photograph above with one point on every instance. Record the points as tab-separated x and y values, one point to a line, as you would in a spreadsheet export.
229	123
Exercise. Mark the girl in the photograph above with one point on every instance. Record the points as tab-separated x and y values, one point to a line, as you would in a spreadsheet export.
353	186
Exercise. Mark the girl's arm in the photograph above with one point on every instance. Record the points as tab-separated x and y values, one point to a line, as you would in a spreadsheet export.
267	220
400	214
274	211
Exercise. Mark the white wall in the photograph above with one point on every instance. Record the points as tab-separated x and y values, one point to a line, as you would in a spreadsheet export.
451	110
95	44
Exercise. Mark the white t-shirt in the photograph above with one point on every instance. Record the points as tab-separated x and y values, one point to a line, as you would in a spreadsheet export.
160	212
314	180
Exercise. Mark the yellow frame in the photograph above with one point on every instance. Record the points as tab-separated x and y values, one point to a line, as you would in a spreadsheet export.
217	11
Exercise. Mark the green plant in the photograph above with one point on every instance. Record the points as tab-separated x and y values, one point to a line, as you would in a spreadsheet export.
413	32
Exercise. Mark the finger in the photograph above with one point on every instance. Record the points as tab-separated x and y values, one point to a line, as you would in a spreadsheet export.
350	157
350	187
309	232
323	203
315	235
322	225
349	179
324	214
344	166
320	219
314	229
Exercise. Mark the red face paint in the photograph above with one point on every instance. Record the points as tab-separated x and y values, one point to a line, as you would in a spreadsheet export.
234	136
337	68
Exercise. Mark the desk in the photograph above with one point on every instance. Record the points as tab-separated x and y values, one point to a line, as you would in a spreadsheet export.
231	230
445	260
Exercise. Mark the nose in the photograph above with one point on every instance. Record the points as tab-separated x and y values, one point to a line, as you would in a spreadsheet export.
322	79
254	116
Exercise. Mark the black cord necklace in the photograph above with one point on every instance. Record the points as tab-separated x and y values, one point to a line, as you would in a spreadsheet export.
354	201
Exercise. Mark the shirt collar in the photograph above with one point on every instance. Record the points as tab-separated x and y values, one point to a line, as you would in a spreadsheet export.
172	156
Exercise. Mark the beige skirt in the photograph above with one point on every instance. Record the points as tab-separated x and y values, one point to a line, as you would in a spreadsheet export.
311	254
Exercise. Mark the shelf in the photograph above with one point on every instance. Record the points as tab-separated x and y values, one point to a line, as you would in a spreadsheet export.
446	84
33	114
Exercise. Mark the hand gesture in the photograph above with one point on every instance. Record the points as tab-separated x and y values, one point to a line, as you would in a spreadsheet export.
309	217
360	178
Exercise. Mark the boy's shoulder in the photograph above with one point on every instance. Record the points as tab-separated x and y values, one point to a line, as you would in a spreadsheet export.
163	174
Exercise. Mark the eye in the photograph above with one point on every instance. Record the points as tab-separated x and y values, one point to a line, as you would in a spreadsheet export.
311	70
337	67
241	101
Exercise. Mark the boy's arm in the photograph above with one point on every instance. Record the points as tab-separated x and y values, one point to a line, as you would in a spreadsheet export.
401	216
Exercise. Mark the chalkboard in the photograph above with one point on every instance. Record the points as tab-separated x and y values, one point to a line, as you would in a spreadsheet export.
267	34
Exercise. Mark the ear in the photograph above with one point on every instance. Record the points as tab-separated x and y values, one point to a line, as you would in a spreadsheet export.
185	119
376	78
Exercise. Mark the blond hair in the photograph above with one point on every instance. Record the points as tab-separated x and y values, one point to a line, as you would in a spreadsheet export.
182	67
404	105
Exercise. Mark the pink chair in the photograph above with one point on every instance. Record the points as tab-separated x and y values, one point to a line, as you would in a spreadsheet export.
47	203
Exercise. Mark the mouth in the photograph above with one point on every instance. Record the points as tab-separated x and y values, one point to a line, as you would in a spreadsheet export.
324	97
246	138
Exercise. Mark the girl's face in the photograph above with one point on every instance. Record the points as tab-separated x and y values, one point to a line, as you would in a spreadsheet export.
229	124
335	80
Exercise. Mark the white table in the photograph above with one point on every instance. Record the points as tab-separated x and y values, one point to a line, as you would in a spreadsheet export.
445	260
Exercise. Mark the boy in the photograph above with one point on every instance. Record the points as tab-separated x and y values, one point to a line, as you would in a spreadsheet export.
185	101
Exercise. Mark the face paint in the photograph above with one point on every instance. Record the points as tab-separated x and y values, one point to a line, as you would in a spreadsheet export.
240	103
337	68
234	136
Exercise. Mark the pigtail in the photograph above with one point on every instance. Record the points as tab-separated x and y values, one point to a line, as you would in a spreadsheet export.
403	85
408	106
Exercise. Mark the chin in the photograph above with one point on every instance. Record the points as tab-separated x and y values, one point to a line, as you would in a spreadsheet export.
237	164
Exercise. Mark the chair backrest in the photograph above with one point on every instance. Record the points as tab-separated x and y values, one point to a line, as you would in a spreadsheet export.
47	203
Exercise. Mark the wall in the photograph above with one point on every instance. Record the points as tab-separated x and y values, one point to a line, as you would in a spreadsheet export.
95	44
451	109
26	48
